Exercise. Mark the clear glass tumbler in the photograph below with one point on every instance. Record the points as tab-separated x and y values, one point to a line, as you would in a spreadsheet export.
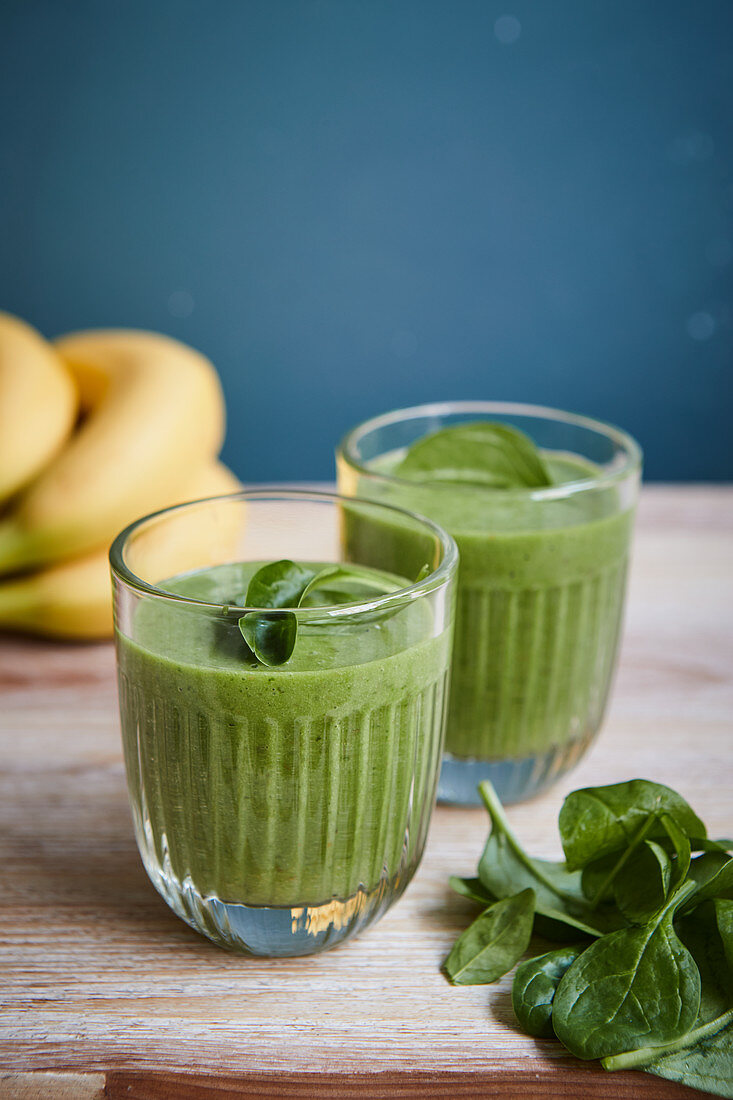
541	585
279	810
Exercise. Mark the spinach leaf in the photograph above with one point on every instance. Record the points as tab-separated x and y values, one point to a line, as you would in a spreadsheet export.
482	453
635	985
533	990
473	889
549	922
703	1058
705	844
707	1065
493	943
642	885
504	863
352	585
642	874
724	917
270	636
343	584
713	874
279	584
560	926
596	821
286	583
682	849
596	876
282	584
701	936
614	865
505	868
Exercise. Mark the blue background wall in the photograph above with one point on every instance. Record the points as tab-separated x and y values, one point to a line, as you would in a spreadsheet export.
357	205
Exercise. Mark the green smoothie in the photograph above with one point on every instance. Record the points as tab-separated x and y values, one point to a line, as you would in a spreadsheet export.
540	594
283	786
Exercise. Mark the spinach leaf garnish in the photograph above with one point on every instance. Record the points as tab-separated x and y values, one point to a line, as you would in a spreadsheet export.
270	632
283	583
481	453
651	983
271	638
277	585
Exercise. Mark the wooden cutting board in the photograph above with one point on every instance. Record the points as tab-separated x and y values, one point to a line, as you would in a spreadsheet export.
105	992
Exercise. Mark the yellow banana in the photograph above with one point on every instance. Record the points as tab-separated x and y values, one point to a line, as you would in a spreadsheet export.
38	404
154	412
74	599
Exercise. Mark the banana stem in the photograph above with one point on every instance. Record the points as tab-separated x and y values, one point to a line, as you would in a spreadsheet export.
13	546
16	599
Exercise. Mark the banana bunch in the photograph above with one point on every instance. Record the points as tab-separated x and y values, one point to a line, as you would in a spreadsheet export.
96	429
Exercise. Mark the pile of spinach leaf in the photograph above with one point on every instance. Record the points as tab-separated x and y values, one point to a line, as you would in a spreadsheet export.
643	907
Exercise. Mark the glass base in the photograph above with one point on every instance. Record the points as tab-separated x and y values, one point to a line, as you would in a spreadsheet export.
275	931
513	780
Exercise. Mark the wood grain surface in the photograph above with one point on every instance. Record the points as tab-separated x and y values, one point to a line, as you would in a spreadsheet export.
104	992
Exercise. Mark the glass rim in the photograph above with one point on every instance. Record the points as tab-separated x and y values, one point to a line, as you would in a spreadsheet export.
630	464
435	580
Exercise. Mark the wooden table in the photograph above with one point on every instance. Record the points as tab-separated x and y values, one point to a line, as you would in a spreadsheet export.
109	994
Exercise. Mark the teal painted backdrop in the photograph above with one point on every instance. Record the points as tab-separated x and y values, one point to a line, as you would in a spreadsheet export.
352	206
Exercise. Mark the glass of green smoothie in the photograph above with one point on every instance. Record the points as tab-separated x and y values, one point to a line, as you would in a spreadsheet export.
282	703
541	504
